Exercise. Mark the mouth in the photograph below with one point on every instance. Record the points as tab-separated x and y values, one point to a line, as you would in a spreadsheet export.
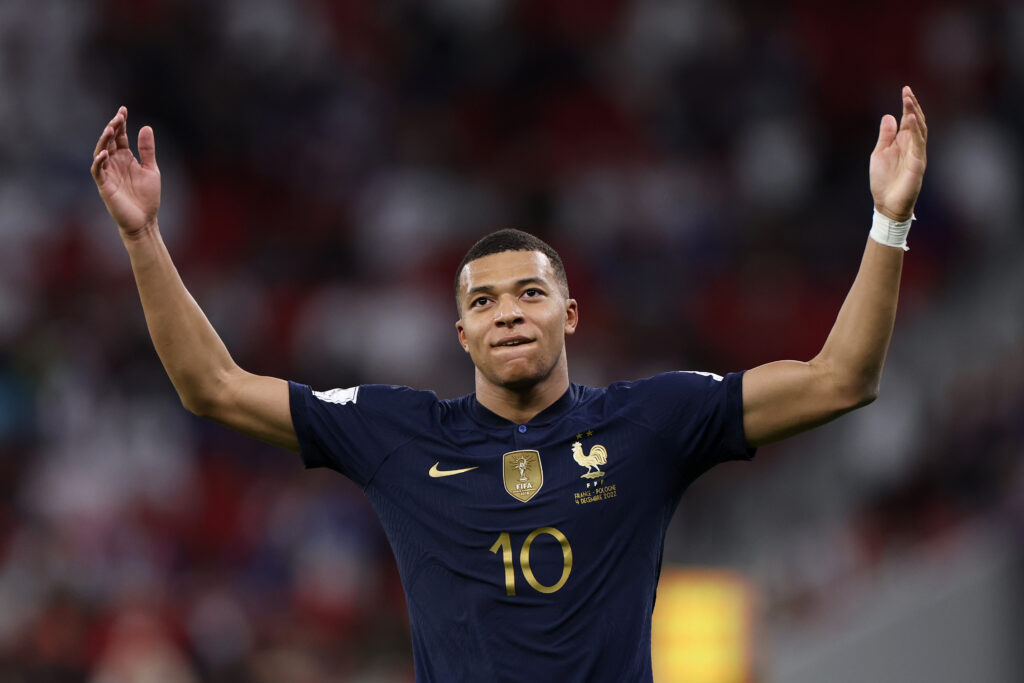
512	342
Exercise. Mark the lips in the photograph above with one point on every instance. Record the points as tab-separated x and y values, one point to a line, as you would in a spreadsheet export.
512	342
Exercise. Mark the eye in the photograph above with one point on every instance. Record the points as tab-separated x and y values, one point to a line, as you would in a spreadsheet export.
479	301
532	292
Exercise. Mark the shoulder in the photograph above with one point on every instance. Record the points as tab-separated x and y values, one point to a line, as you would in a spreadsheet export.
669	397
373	394
675	384
383	399
696	412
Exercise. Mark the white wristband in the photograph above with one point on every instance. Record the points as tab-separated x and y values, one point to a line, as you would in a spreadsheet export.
885	230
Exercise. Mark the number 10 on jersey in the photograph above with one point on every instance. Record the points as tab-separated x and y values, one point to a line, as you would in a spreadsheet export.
504	543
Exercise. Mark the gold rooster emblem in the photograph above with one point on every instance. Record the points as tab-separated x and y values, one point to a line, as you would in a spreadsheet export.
598	456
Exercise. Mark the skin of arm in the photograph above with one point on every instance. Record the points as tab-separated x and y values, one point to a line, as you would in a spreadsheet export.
784	398
209	383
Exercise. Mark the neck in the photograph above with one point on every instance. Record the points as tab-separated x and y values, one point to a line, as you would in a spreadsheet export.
520	405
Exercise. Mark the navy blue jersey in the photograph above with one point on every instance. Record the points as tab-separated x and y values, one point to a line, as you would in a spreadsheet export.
527	552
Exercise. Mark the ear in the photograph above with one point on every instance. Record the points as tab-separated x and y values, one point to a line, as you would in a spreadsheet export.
461	330
572	316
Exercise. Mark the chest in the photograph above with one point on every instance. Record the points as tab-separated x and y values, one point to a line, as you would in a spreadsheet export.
527	513
522	478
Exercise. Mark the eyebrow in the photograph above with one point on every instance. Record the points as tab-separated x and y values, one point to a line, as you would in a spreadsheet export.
519	283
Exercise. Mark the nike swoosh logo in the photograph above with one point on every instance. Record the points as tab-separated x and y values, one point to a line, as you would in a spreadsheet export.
434	472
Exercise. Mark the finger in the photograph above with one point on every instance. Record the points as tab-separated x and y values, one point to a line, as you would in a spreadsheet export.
908	108
917	134
913	120
122	128
109	130
97	164
886	132
917	107
104	138
112	143
147	148
922	124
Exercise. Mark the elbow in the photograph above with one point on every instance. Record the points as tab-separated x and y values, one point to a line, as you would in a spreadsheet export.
851	387
867	397
207	399
201	402
855	395
197	405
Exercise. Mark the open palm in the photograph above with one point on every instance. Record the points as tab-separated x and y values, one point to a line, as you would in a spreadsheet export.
130	189
899	159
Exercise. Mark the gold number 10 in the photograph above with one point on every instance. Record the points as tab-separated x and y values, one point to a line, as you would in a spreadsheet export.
504	542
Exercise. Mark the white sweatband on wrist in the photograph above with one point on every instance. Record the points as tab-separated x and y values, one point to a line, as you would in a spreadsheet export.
885	230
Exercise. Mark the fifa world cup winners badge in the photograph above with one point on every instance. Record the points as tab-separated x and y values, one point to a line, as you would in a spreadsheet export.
523	474
592	461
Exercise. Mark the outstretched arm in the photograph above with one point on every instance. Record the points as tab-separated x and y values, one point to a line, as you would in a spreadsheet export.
784	398
207	380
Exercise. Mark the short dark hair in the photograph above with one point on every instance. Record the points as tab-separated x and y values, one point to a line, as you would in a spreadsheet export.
511	239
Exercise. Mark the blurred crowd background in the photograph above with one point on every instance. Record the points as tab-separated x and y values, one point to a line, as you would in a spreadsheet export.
701	166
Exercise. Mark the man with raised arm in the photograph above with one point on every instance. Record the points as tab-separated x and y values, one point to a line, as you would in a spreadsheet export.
527	518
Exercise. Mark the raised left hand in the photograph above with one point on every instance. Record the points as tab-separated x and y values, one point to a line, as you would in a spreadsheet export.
899	159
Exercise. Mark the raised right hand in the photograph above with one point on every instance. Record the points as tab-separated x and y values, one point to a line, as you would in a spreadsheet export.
131	190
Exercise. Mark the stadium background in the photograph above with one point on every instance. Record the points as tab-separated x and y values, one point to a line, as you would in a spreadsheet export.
700	165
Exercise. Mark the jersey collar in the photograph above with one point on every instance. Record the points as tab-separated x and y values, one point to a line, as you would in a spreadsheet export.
549	414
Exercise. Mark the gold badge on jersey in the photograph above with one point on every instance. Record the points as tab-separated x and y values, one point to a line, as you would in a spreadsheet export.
592	462
523	474
598	456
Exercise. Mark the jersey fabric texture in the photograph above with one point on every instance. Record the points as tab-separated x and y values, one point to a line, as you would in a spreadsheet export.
527	552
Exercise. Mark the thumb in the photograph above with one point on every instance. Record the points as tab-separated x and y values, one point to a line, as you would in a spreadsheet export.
147	148
886	132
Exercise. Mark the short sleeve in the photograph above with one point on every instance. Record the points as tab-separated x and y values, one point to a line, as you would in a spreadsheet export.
354	430
700	414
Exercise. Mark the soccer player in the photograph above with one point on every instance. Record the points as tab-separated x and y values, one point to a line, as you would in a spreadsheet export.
527	518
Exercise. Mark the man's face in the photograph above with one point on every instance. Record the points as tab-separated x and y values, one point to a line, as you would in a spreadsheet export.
514	318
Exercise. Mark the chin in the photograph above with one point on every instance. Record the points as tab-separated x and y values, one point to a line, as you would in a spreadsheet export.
521	383
523	380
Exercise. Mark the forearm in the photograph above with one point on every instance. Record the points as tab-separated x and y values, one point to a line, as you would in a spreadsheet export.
855	350
192	353
787	397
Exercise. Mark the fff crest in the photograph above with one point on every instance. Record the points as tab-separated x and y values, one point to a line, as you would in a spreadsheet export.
523	474
598	456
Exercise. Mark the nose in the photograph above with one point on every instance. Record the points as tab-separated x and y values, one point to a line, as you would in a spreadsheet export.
507	311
